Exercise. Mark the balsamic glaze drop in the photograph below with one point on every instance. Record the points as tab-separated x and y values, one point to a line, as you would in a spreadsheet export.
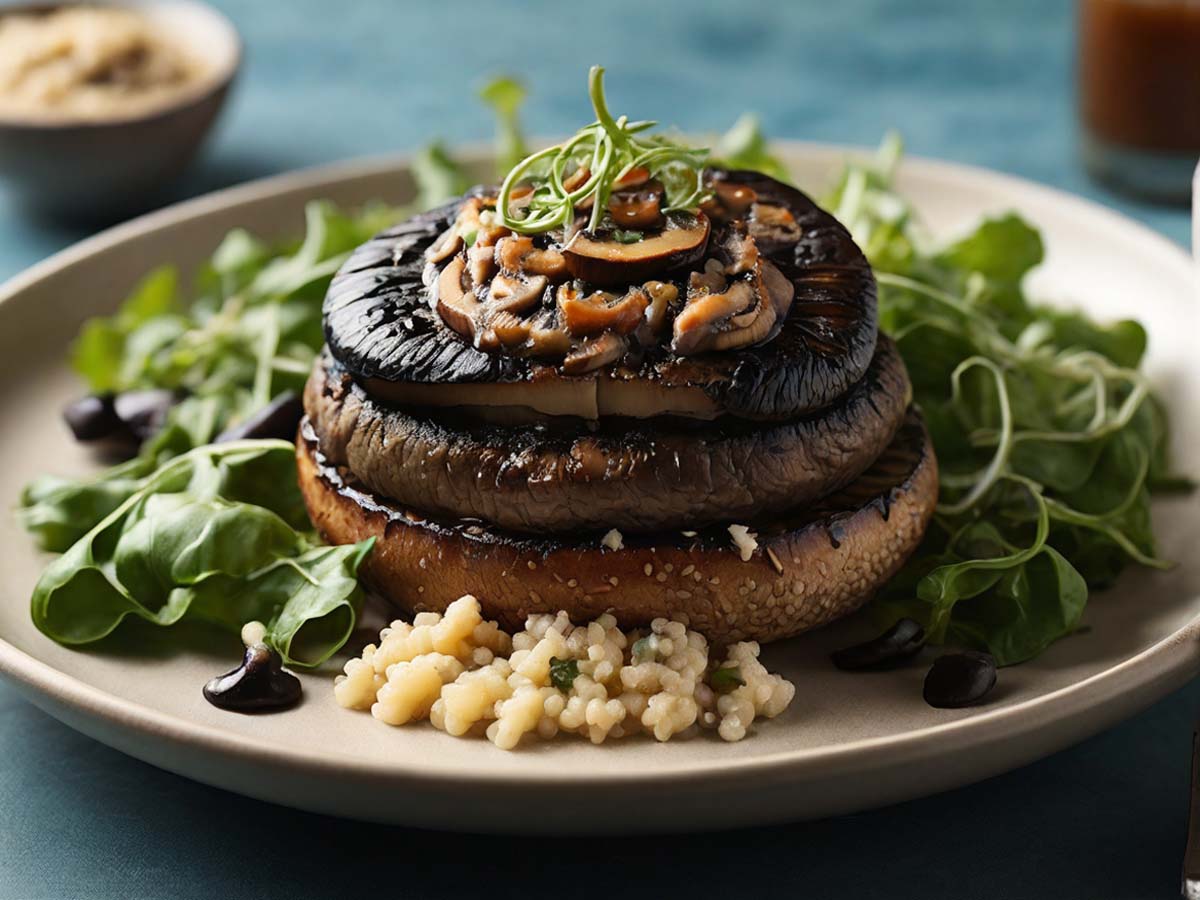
898	644
259	684
278	419
960	679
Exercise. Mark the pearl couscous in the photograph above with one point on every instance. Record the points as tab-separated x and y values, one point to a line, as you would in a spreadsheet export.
467	676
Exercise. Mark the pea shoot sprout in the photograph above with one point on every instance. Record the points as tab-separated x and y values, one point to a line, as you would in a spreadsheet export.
603	154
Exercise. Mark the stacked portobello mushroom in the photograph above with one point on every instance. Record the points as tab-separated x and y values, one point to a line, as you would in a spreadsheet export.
674	412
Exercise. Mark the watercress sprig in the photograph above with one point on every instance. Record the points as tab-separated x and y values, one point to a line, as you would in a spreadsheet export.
1049	438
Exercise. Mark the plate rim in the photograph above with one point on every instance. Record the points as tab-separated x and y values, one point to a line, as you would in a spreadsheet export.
1150	674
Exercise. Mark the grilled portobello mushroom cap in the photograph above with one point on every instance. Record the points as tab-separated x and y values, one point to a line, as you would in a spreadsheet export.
633	475
404	315
809	566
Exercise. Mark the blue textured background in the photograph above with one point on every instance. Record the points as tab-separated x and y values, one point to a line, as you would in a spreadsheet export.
987	83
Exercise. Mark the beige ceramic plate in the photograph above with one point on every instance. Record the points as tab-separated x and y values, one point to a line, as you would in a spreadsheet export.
849	741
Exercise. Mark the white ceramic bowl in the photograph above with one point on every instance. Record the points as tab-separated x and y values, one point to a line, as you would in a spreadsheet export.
97	169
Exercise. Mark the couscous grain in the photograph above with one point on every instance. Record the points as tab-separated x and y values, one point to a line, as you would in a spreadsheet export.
467	677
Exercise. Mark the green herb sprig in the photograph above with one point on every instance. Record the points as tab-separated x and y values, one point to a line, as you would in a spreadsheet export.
1049	438
609	149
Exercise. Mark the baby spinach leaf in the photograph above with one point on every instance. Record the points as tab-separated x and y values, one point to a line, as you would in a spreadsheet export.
187	543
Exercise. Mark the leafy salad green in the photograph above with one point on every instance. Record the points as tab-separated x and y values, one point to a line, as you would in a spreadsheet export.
220	535
189	530
1050	441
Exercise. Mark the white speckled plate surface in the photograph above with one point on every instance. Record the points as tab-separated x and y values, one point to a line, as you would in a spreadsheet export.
848	742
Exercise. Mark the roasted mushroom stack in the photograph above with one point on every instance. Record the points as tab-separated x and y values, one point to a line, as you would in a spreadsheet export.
677	411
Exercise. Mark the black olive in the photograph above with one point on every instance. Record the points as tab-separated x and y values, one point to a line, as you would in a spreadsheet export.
144	412
259	684
278	419
93	418
899	643
960	679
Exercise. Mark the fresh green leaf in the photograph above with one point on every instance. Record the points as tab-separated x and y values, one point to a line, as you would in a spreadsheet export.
563	673
1049	440
726	679
1002	249
190	541
98	352
745	147
505	96
437	175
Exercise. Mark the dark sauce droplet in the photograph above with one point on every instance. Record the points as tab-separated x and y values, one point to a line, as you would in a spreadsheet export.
259	684
92	418
898	644
960	679
278	419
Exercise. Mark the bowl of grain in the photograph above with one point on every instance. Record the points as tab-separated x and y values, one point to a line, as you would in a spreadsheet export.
102	104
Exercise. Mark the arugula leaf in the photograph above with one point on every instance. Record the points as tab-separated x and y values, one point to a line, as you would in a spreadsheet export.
1049	440
250	332
505	96
99	350
210	535
745	147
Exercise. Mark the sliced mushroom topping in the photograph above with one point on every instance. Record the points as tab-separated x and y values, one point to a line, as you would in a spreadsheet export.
445	246
595	353
508	329
741	249
458	308
546	337
745	314
710	281
774	224
779	288
697	325
639	209
481	264
577	179
635	177
516	253
735	198
515	293
601	311
662	295
606	261
748	328
478	220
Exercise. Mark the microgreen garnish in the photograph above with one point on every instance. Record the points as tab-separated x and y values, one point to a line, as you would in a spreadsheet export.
563	673
607	151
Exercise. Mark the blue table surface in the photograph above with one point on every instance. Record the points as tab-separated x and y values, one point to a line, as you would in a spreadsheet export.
988	83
